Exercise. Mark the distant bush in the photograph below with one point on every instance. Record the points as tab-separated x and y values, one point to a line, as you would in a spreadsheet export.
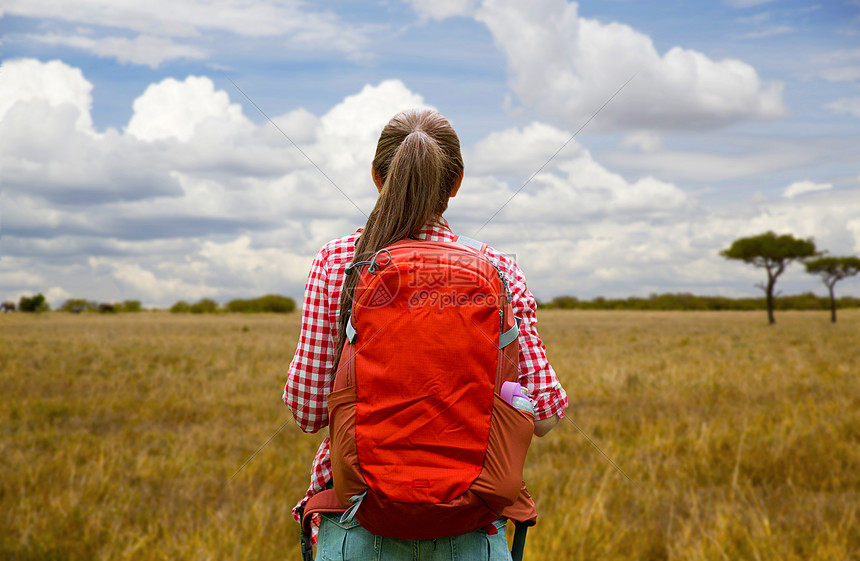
686	301
33	304
78	305
564	302
805	301
181	307
204	306
130	306
270	303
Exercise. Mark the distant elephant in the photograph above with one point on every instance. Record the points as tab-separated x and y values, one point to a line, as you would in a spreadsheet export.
106	308
7	307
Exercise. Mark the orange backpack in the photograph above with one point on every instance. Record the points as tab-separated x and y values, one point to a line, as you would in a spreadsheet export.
422	443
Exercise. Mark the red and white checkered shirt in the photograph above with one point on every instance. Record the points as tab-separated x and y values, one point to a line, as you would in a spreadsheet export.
310	376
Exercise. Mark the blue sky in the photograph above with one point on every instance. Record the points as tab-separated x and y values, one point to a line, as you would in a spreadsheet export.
133	168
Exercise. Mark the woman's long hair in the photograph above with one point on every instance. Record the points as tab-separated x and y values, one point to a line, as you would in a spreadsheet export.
418	158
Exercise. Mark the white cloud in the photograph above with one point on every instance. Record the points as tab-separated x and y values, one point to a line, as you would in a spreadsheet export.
850	105
840	65
567	66
264	267
854	227
146	50
816	218
644	140
755	19
519	152
711	165
802	10
837	56
669	242
147	284
173	109
189	166
56	295
841	74
616	257
294	20
43	154
12	277
349	130
218	206
593	189
191	162
767	32
801	187
206	268
55	82
49	150
572	184
443	9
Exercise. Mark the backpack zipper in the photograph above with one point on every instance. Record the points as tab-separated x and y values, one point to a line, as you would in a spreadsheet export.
507	291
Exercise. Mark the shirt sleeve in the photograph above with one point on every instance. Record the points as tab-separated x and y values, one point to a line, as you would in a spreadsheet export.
320	476
309	380
536	374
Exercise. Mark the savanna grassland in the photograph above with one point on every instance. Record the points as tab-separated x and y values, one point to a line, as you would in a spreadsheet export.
120	435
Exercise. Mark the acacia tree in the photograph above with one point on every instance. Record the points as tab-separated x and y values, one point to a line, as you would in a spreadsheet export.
832	270
773	253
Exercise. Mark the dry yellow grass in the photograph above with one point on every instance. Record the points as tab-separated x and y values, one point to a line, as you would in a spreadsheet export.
120	435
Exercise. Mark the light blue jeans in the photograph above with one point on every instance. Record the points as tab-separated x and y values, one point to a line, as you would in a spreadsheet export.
351	542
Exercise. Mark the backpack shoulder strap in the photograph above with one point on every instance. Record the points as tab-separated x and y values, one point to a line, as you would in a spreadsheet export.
474	244
508	336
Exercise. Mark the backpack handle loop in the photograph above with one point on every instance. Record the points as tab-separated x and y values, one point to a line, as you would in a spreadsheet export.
374	264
